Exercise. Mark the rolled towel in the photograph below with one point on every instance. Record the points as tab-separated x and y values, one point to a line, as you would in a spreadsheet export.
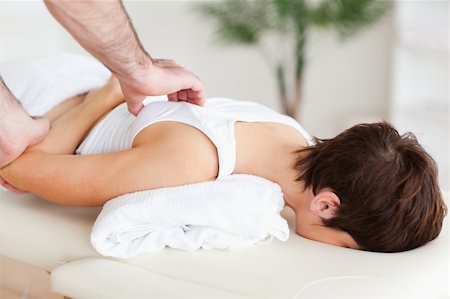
238	210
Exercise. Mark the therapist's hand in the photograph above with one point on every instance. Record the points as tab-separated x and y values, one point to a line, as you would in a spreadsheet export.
11	188
161	77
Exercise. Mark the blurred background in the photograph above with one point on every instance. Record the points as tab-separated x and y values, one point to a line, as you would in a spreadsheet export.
395	68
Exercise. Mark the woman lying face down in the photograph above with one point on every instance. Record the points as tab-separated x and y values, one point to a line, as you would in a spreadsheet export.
368	188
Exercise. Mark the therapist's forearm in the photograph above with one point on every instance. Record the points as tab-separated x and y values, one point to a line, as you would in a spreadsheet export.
104	29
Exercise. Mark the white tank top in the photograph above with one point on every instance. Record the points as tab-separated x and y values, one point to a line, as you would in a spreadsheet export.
216	120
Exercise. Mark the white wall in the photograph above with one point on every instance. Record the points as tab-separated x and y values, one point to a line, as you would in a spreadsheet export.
347	83
420	77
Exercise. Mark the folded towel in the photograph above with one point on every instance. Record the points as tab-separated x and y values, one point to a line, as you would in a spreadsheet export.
42	83
236	211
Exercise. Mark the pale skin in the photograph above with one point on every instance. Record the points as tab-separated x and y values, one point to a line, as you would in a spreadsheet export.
103	29
17	129
162	155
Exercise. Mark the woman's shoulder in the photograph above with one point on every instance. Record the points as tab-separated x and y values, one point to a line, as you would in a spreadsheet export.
255	112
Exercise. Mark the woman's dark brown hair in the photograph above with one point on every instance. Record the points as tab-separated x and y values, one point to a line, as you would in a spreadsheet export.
386	182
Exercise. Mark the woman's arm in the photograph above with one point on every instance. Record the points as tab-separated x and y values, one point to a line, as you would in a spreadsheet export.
169	154
66	179
74	114
68	130
91	180
72	119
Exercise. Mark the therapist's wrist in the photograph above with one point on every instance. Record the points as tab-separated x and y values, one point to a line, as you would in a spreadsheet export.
141	63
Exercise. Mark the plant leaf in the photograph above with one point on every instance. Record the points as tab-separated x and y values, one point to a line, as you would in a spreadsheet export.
238	21
348	17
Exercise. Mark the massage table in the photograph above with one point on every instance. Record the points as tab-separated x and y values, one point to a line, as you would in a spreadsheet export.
56	239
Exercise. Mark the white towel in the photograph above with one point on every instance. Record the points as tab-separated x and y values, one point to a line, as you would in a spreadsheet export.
236	211
42	83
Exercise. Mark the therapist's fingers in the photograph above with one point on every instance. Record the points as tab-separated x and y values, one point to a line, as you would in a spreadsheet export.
196	97
183	95
41	126
190	96
134	108
11	188
134	98
2	182
173	97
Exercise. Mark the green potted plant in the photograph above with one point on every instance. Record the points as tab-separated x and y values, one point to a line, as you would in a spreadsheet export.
288	22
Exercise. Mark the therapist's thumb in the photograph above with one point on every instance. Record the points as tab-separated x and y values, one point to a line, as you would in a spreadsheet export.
39	130
134	108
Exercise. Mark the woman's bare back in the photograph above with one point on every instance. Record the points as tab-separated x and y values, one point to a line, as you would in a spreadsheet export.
262	148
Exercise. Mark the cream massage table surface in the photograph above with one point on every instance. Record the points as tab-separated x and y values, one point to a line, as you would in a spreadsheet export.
47	235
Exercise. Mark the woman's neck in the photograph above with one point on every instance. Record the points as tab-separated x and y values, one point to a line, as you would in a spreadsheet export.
268	150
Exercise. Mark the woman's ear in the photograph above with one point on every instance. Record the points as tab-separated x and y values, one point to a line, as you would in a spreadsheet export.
325	204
